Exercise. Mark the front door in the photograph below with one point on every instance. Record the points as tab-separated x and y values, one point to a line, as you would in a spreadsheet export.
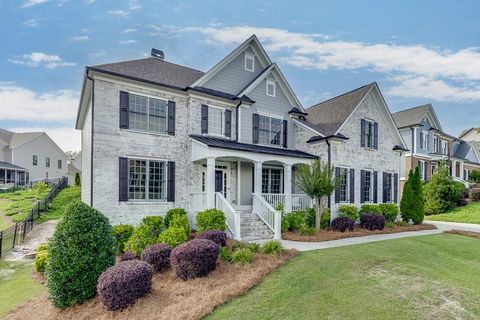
219	181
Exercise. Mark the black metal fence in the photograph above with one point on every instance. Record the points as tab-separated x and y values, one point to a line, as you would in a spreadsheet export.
15	235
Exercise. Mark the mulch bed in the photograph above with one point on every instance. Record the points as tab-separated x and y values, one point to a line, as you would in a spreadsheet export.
171	298
327	235
465	233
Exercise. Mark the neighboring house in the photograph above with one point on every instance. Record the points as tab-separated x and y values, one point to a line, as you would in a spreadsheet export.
429	145
355	133
11	175
74	167
35	152
472	134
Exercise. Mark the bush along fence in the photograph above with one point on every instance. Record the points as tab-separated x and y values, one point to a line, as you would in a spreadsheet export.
15	234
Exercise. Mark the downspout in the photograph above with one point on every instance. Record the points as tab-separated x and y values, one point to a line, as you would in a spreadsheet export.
91	139
329	161
237	122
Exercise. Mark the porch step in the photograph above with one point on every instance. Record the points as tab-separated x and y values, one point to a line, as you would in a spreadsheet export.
253	228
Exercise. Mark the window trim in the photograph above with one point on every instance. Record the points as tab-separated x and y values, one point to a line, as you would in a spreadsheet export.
425	139
34	160
248	56
47	162
147	179
274	84
370	197
149	96
347	192
421	164
59	164
444	147
281	182
222	134
372	136
270	130
391	175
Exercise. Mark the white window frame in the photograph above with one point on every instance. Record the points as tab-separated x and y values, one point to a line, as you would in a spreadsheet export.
270	130
222	133
34	160
425	140
421	164
444	147
273	83
147	180
435	144
148	114
391	177
249	56
466	174
269	184
347	192
370	196
372	136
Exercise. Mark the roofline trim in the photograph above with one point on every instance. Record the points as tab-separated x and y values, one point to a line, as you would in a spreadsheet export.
307	127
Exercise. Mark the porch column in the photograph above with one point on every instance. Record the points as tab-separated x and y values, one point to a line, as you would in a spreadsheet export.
210	188
461	171
257	186
287	186
454	168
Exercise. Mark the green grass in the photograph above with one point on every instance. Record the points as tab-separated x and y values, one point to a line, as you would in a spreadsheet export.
16	205
429	277
16	285
466	214
57	207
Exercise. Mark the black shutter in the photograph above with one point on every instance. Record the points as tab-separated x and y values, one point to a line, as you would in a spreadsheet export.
171	118
375	135
228	123
285	128
123	110
384	187
362	186
352	185
421	140
255	128
171	181
337	189
204	118
395	187
123	179
375	186
362	131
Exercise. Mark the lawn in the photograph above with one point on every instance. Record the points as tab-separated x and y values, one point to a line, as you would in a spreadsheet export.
57	207
16	285
429	277
466	214
15	206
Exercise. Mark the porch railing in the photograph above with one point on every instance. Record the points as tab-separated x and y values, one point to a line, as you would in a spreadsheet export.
232	216
301	202
270	216
274	199
199	201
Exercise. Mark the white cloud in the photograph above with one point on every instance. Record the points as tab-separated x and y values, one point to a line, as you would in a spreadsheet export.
451	74
134	5
89	1
31	3
33	23
35	59
119	13
79	38
67	138
129	30
130	41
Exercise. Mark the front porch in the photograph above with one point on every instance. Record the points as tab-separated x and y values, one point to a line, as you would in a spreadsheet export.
12	176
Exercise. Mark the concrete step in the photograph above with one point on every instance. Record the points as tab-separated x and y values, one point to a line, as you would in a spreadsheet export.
253	228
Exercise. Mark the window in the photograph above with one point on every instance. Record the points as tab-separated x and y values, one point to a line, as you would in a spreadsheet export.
35	160
147	114
421	164
147	180
367	192
369	134
343	184
59	164
424	139
434	168
215	121
249	62
272	180
204	183
435	144
269	130
389	188
47	162
444	147
465	174
271	88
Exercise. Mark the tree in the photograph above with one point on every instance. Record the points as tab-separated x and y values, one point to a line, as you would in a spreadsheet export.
317	181
441	192
412	204
474	176
77	179
71	154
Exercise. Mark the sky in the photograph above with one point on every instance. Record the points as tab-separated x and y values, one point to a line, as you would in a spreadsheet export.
417	51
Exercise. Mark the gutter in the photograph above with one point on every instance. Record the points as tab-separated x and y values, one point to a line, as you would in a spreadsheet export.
91	138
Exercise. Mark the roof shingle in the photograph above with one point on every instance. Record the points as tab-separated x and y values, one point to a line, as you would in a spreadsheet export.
410	117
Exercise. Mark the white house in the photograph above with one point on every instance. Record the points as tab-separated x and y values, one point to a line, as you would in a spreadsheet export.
35	152
74	166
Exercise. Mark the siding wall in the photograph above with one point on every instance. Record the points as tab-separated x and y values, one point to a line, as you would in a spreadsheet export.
86	157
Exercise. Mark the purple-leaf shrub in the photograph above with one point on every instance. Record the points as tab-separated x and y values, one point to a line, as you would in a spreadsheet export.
123	284
128	256
195	258
217	236
342	224
372	221
157	255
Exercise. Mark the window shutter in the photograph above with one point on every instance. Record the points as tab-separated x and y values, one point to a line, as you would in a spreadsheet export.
352	185
384	187
123	110
421	140
171	118
123	179
255	128
285	128
228	123
375	186
395	187
362	186
375	135
171	181
204	118
362	131
337	189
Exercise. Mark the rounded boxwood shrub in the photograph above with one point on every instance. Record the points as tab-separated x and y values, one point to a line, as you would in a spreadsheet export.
272	247
350	211
82	248
389	211
369	208
211	219
372	221
121	285
217	236
342	224
41	260
243	256
195	258
142	237
174	212
122	232
154	223
173	236
128	256
157	256
181	220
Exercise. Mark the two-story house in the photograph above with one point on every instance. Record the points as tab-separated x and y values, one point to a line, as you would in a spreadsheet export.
429	145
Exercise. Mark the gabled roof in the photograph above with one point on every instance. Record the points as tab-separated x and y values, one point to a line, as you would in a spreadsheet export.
13	139
328	116
464	148
465	132
415	115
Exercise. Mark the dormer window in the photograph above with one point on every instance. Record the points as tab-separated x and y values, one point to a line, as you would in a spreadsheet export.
271	88
249	62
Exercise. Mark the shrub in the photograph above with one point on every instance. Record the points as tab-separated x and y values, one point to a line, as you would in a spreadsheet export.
254	247
43	247
285	223
77	179
372	221
195	258
121	285
412	203
225	254
82	248
272	247
157	255
475	194
369	208
342	224
306	230
122	232
474	176
441	192
174	212
211	219
389	211
40	188
325	220
173	236
128	256
243	256
155	224
349	211
217	236
181	220
303	221
141	238
41	260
